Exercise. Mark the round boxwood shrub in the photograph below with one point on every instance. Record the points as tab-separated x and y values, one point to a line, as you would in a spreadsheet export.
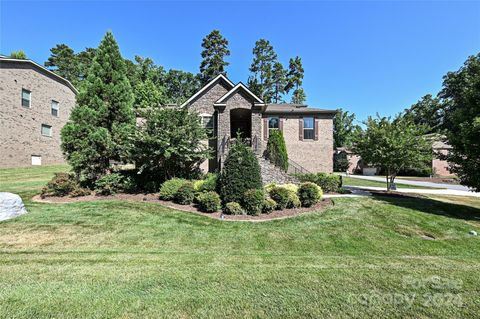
293	201
185	194
233	208
309	194
269	206
281	196
170	188
253	201
209	202
240	173
276	150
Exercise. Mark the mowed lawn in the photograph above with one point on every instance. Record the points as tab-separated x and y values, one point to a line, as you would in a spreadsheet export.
363	258
352	181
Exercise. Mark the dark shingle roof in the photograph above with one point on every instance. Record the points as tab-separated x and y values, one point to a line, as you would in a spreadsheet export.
289	108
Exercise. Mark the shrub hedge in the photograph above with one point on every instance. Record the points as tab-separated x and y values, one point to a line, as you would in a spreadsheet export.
233	208
281	196
276	150
328	182
185	194
253	201
209	202
170	188
269	206
309	194
109	184
60	185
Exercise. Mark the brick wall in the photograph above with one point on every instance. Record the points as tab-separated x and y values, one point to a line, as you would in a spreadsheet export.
20	127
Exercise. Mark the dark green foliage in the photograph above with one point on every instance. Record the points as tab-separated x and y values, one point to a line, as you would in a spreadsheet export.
277	150
340	162
209	202
109	184
60	185
101	122
169	144
344	129
393	145
295	80
79	191
170	188
281	196
208	184
428	112
147	95
461	105
268	206
233	208
261	80
185	194
253	201
18	55
240	173
299	96
215	49
329	183
309	194
279	80
293	200
180	85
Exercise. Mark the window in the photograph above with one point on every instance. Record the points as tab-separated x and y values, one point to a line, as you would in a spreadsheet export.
46	130
207	121
36	160
26	97
54	108
308	128
273	123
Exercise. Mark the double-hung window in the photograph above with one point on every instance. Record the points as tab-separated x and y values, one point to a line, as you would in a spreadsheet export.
207	123
308	128
54	108
26	97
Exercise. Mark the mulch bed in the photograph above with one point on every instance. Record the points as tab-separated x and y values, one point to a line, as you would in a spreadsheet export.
153	198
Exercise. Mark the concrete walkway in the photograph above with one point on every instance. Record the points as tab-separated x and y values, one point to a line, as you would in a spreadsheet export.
413	183
454	192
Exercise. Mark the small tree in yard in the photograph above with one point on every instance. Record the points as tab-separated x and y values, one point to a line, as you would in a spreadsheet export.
169	143
276	149
103	117
392	145
240	173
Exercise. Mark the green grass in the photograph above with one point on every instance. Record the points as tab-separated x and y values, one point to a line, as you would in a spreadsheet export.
112	259
351	181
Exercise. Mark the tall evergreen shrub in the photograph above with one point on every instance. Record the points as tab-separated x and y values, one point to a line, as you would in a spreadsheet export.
240	173
276	150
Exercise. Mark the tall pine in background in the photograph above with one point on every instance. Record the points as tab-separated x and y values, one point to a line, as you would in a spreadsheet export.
261	80
279	81
295	80
103	117
215	50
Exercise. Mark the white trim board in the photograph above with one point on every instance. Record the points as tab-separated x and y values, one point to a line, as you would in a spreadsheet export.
207	86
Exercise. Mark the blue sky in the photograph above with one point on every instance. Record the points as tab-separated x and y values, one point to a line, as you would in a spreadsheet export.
365	57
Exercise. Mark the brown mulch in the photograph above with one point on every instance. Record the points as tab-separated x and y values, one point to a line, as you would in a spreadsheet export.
153	198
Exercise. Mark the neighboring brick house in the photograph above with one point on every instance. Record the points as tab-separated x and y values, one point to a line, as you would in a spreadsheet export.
440	167
35	104
227	108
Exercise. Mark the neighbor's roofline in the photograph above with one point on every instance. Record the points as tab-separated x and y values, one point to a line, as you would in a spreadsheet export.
240	85
207	86
70	85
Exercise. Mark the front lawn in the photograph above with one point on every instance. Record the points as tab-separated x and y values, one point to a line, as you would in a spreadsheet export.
352	181
363	257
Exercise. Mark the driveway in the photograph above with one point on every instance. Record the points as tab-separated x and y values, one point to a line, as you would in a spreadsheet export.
364	191
413	183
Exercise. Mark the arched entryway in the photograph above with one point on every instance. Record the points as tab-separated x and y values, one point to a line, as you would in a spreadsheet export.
241	122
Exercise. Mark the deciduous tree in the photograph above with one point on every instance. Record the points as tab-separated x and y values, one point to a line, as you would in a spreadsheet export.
344	129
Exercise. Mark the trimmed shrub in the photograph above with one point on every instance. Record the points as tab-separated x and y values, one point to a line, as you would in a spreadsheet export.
269	206
109	184
276	150
60	185
233	208
185	194
78	191
281	196
208	184
240	173
170	188
342	190
293	201
269	187
309	194
208	202
253	201
328	182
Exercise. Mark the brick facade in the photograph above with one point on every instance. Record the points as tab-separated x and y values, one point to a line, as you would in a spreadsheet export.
20	127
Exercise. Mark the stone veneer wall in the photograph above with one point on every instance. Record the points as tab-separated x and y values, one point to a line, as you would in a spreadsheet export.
20	127
315	156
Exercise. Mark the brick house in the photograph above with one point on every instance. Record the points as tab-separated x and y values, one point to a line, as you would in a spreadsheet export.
35	104
226	109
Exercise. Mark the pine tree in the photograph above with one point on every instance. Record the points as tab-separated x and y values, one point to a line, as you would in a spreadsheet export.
18	55
264	58
103	117
215	50
295	80
279	81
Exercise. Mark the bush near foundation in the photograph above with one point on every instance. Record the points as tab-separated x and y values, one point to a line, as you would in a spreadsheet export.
209	202
309	194
253	201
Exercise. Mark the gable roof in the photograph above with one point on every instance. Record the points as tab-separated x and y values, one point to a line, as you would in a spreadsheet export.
207	86
38	66
239	86
295	109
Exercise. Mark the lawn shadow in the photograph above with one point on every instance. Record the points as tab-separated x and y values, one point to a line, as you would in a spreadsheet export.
431	206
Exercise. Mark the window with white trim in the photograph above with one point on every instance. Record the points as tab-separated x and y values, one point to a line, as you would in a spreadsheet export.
26	98
54	108
273	123
207	122
308	128
46	130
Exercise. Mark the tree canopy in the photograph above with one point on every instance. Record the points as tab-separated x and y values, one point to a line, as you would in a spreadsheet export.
392	145
18	55
344	129
427	111
264	58
215	49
